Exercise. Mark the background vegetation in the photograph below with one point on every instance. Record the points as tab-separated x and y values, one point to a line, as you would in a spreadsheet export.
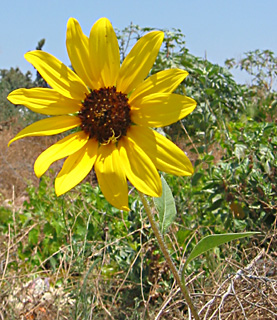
76	257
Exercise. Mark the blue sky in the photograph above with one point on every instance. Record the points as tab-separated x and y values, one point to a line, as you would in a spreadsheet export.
221	28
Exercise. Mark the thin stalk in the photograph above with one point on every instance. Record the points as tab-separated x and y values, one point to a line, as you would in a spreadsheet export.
167	256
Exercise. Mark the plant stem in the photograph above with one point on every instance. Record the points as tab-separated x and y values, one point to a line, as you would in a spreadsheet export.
167	256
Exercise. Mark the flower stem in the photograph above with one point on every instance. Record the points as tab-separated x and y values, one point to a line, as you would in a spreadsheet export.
167	256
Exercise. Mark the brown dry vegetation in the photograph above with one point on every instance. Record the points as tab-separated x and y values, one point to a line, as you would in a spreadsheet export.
247	293
17	162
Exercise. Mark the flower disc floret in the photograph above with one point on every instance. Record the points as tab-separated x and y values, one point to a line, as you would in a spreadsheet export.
105	115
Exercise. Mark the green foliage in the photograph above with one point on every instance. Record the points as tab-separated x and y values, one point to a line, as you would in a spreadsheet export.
83	233
5	219
10	80
235	165
218	96
261	67
14	79
231	138
166	207
237	191
250	178
54	220
213	241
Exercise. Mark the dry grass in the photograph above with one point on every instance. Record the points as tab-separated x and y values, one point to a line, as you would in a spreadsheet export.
251	293
245	293
231	292
17	162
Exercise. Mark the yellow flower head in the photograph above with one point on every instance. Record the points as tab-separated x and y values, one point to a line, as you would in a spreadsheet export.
114	108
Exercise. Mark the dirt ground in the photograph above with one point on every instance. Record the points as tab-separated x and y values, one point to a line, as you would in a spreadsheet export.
250	293
17	162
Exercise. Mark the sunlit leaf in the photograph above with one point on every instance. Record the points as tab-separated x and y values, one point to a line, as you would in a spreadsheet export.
240	151
166	207
213	241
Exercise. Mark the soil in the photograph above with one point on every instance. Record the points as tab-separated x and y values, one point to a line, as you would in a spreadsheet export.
250	293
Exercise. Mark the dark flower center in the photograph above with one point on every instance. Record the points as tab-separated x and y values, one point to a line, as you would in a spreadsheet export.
105	115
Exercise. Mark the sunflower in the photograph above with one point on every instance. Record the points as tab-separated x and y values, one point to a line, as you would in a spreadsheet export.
113	110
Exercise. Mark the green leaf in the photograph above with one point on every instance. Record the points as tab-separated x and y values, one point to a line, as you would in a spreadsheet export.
166	207
182	235
240	151
210	91
33	236
196	177
213	241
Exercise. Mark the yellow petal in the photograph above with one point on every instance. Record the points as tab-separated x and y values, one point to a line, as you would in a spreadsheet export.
165	155
44	101
48	127
111	177
139	61
59	150
161	109
57	75
165	81
78	51
104	53
138	167
76	167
